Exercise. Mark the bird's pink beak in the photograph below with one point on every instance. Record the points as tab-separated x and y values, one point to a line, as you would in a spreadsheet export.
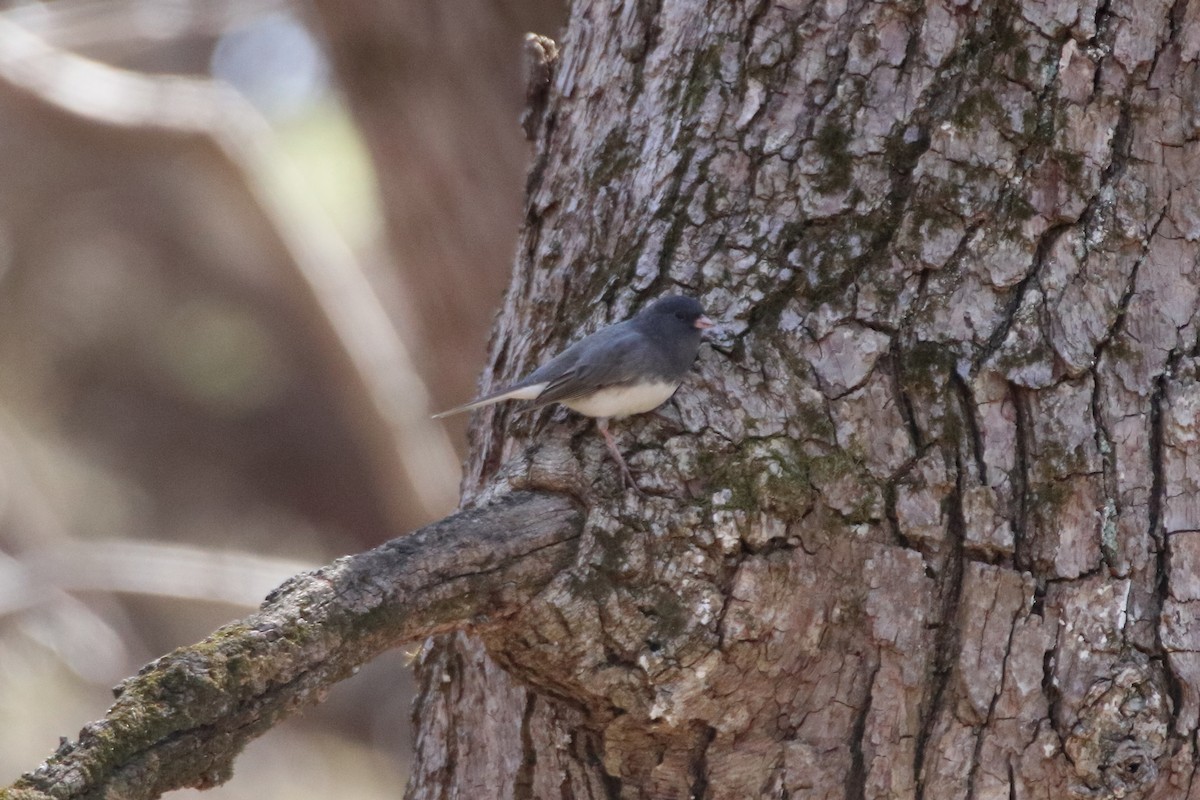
703	323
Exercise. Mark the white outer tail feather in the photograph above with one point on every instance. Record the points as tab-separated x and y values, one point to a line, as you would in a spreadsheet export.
520	393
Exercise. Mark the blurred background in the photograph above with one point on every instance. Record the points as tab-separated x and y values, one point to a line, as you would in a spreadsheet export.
246	247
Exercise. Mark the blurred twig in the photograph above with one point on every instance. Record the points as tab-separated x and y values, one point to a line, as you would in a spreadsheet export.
87	642
76	24
155	568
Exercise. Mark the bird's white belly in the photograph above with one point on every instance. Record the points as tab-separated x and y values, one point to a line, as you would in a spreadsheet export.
621	401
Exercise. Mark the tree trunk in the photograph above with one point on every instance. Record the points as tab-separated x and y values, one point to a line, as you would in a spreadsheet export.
924	523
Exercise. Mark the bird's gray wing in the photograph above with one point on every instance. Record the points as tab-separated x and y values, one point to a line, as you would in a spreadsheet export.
612	357
569	374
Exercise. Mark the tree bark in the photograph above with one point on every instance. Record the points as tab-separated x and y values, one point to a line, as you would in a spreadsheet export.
923	524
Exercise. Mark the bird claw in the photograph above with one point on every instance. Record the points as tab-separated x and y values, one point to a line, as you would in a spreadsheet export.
627	479
626	475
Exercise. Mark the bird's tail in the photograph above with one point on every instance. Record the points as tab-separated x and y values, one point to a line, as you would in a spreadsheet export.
511	393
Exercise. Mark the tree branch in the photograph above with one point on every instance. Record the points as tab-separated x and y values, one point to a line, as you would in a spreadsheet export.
184	718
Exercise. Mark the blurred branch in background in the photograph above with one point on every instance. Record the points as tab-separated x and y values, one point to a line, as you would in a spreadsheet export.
437	90
173	571
38	585
128	33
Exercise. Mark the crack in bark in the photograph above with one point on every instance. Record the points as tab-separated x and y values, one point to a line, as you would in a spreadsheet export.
1158	399
699	785
966	401
893	517
1051	692
1117	325
611	783
908	414
1100	22
1041	253
1108	479
523	781
946	644
1157	478
648	12
678	215
1020	478
991	712
454	669
753	18
836	71
856	776
1175	20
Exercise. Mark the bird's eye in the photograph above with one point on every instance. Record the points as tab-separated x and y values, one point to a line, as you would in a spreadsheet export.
680	315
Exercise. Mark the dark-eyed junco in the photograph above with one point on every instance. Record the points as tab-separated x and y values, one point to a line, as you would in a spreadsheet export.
627	368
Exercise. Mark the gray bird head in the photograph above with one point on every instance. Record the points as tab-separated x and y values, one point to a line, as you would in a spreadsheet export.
675	326
674	313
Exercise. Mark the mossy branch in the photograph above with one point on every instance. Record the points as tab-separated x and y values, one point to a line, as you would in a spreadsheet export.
184	718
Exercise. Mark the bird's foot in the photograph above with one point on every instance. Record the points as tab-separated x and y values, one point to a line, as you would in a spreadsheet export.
627	478
626	475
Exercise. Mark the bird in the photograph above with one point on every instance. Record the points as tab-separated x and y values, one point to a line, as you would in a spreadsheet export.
627	368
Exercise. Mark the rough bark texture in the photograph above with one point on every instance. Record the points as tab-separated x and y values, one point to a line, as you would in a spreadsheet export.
925	524
183	719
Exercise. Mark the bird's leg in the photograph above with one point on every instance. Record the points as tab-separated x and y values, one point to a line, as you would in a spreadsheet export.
602	426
